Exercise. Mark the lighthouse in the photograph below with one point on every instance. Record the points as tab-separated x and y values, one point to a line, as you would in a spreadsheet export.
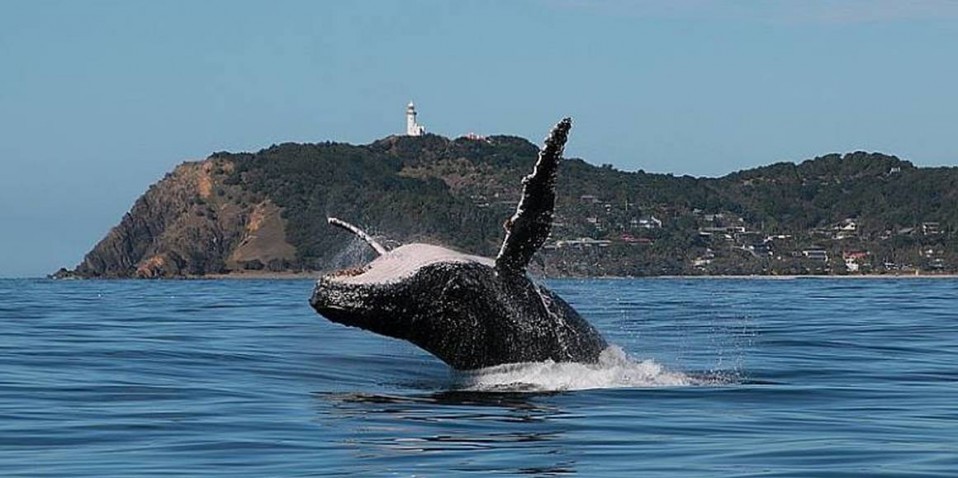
412	127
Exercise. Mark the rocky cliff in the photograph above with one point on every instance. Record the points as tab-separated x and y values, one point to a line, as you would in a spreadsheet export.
190	224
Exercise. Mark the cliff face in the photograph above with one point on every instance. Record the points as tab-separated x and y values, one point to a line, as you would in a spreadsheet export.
189	224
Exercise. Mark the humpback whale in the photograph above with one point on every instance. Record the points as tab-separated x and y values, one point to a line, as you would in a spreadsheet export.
469	311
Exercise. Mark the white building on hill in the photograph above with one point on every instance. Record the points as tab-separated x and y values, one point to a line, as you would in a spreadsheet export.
412	127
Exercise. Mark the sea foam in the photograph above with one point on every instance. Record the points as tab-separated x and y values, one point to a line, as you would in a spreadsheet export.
615	369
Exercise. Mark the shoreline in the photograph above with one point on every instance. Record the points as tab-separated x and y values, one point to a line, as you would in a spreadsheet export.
316	275
260	275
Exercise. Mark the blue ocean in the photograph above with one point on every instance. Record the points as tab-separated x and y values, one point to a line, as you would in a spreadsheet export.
806	377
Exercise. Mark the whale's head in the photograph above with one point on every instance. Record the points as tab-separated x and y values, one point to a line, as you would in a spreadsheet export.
388	295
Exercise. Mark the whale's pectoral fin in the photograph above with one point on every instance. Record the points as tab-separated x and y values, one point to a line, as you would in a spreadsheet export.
359	232
529	227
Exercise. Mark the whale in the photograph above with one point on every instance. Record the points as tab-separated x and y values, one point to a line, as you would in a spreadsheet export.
469	311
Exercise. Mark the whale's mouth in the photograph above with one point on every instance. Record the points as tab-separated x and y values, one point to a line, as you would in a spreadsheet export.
349	272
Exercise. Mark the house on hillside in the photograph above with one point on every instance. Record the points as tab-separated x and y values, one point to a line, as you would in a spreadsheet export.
930	228
819	255
854	260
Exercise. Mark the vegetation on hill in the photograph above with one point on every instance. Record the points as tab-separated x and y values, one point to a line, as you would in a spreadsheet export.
835	214
362	185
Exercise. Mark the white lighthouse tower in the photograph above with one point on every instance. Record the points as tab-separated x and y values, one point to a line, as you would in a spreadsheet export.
412	127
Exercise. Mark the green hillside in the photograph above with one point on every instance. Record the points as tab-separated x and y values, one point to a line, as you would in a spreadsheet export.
835	214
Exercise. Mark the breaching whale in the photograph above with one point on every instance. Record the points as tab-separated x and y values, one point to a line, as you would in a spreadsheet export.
469	311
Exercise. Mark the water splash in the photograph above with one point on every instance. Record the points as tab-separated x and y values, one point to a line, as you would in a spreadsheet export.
613	370
356	253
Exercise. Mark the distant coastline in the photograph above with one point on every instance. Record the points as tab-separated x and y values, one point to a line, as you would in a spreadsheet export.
263	214
314	275
265	275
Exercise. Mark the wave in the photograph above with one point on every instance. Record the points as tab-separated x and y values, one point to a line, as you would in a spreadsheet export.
615	369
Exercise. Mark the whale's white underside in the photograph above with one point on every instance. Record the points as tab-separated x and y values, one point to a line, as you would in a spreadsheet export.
403	262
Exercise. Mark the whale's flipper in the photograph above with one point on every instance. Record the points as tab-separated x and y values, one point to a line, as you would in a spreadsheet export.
529	227
359	232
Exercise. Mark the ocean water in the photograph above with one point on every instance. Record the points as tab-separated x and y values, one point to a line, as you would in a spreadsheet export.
718	377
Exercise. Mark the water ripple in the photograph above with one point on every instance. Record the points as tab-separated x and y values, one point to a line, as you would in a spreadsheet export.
709	378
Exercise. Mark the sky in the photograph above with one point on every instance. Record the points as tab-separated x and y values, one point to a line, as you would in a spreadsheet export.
99	99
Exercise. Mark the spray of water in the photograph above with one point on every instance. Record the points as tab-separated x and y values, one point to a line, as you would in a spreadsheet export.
613	370
356	253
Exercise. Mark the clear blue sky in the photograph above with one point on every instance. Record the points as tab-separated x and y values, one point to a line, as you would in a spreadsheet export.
98	99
